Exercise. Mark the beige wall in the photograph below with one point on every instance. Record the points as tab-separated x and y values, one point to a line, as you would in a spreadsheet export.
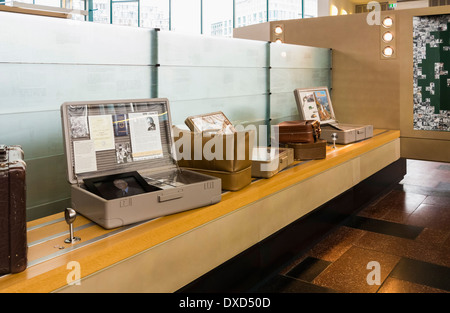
368	89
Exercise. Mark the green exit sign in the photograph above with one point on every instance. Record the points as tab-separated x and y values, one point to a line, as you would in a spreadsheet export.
392	6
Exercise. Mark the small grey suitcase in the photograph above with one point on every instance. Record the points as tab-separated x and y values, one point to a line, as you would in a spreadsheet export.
315	103
121	166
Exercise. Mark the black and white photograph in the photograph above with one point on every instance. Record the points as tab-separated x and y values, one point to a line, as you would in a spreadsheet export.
78	122
123	153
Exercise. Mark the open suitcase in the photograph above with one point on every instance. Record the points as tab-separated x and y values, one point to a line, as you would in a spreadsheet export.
13	228
121	166
315	103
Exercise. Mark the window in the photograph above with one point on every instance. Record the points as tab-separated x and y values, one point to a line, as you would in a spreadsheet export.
125	13
285	9
209	17
102	11
310	7
217	17
251	9
154	14
186	16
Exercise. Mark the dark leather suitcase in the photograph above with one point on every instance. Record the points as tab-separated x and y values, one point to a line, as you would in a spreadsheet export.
303	131
13	229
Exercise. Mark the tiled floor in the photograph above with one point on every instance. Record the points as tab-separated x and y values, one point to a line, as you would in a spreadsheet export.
398	244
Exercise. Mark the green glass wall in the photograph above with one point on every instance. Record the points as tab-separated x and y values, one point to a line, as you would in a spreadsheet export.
46	61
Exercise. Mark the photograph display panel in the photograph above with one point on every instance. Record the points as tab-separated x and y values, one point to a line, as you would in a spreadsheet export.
431	53
315	104
111	137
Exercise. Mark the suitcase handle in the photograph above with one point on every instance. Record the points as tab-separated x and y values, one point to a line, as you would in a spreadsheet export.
170	196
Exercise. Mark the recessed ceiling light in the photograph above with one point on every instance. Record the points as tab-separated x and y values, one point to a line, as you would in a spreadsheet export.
388	36
388	52
278	30
388	22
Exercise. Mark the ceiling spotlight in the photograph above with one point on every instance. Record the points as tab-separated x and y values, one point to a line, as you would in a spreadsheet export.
388	36
388	22
388	52
279	40
278	30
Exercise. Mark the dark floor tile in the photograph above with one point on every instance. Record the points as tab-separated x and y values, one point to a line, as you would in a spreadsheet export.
436	200
429	191
425	248
308	269
422	273
384	227
393	285
349	272
336	243
431	216
433	236
394	206
283	284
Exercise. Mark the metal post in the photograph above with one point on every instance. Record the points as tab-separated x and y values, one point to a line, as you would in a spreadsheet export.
234	14
170	15
90	10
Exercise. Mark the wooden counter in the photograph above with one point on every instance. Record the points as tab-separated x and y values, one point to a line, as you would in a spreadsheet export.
165	254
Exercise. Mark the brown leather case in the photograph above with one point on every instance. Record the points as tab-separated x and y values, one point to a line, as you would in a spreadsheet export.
13	232
303	131
309	151
234	166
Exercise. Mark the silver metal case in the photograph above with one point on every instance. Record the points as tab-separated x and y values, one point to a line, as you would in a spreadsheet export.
180	189
346	133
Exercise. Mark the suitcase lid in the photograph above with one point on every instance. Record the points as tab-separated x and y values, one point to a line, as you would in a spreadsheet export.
315	104
112	137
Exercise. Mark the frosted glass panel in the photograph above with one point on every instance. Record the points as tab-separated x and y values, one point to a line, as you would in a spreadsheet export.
32	87
47	180
195	50
39	133
294	56
37	39
187	83
283	107
286	80
46	61
239	110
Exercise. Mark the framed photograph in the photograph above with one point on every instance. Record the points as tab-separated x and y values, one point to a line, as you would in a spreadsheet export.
215	122
119	186
315	104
